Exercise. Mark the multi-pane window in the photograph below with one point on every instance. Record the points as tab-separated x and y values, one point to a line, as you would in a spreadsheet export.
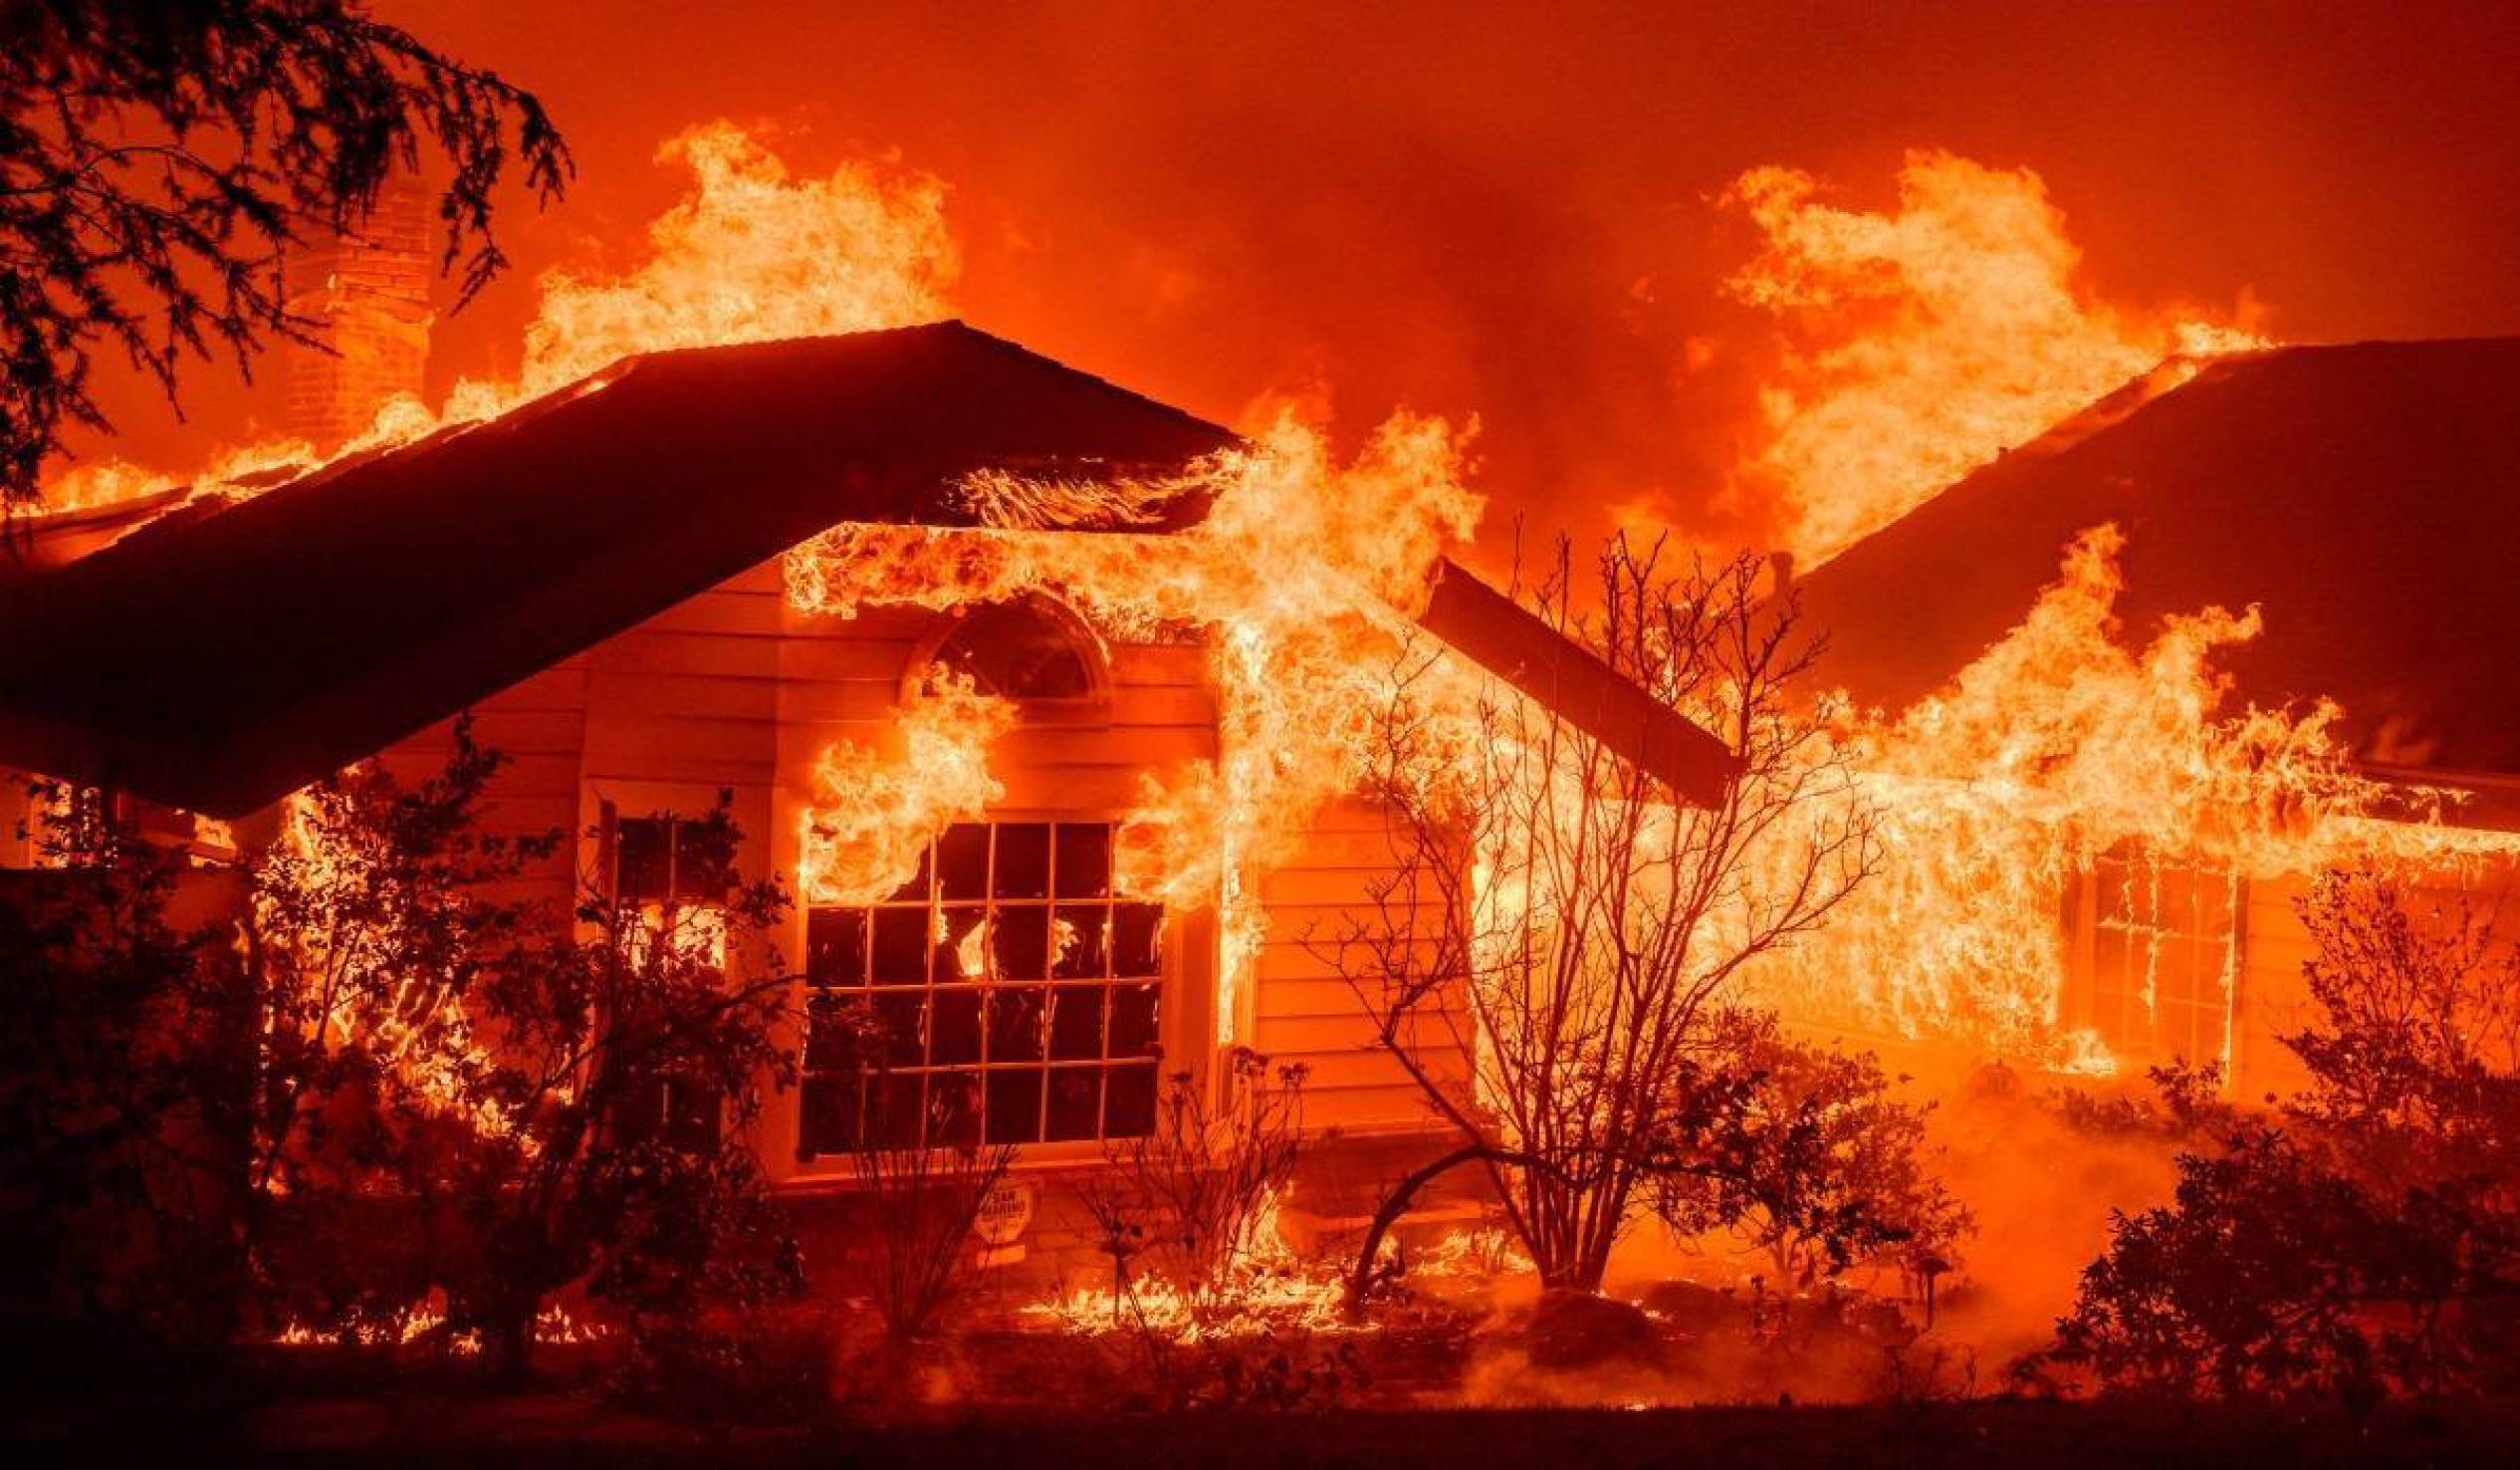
1005	994
2159	945
672	875
665	860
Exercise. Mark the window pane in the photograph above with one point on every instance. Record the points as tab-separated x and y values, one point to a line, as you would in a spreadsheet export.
956	1039
962	862
1084	859
643	858
1021	942
1075	1104
704	862
827	1121
899	1017
901	947
1077	1024
1133	1032
1137	939
953	1108
896	1109
1015	1106
1128	1107
1015	1023
1018	650
835	946
963	947
834	1033
1081	938
1024	861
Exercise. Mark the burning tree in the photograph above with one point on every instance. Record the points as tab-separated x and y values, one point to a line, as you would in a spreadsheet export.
1555	918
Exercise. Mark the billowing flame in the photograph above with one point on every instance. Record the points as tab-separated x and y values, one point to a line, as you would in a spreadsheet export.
1301	578
1923	342
875	811
750	254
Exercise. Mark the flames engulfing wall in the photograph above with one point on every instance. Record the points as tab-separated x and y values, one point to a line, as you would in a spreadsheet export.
2058	744
1300	583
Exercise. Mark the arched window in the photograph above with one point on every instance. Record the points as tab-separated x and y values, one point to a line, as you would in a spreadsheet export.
1031	649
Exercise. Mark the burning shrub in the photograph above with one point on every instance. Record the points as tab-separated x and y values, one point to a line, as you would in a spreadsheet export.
1195	1197
512	1109
2368	1243
1571	930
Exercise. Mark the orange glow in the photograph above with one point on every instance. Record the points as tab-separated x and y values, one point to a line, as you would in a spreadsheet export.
414	1026
1923	342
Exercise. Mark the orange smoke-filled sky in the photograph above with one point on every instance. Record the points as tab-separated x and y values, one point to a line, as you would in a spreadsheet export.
1512	213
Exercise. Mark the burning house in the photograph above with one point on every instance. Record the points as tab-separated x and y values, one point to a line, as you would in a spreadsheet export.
957	627
2315	545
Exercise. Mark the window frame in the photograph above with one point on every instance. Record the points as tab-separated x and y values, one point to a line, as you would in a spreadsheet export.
1093	707
669	1106
2086	998
1185	1006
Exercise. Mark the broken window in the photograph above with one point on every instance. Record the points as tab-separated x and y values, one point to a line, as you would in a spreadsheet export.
1003	995
2156	945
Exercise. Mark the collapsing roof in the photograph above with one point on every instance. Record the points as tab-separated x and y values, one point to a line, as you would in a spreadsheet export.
2365	498
218	658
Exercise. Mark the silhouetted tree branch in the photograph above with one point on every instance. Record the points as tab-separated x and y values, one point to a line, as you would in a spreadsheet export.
154	157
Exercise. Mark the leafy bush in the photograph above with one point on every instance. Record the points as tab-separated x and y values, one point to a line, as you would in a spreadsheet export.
125	1077
1810	1159
2367	1240
542	1107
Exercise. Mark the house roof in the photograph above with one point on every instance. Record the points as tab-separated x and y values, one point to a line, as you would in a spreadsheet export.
224	654
219	658
2365	498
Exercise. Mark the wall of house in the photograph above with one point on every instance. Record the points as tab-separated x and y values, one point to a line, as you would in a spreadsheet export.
1303	1007
539	726
734	689
2270	998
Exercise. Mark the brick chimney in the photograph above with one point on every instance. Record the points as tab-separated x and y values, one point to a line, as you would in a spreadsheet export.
369	294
